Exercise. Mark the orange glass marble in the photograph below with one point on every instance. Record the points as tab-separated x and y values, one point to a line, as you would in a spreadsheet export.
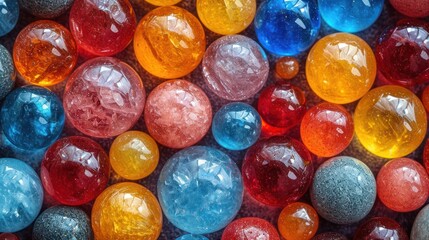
287	67
126	211
44	53
169	42
298	221
425	98
134	155
163	2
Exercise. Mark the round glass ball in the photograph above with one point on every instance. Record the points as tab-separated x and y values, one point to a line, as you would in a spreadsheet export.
380	228
9	15
250	228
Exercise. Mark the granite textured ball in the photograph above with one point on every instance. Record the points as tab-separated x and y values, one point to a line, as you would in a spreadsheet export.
46	8
9	14
7	72
62	222
343	190
420	226
192	237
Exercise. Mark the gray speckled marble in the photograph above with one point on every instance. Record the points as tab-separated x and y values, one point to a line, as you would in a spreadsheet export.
7	72
46	8
343	190
420	230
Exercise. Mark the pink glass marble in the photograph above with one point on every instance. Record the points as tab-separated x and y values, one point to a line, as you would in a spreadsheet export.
178	114
104	97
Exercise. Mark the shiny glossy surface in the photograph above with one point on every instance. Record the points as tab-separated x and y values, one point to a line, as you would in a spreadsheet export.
104	97
277	171
46	8
178	114
250	228
126	211
425	98
412	8
287	67
75	170
340	68
390	121
163	2
426	155
134	155
235	67
9	14
200	190
44	53
21	195
7	72
403	185
226	17
8	236
169	42
298	221
420	225
380	228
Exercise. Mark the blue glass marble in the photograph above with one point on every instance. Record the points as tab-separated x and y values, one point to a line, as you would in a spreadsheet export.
287	27
9	13
200	189
21	195
32	117
350	16
192	237
7	72
236	126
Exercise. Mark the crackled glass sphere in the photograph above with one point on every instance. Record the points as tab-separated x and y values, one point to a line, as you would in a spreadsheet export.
250	228
412	8
381	228
298	221
46	8
9	14
7	72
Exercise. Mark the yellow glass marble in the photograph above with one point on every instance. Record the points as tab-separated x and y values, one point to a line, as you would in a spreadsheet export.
226	16
169	42
163	2
134	155
390	121
126	211
341	68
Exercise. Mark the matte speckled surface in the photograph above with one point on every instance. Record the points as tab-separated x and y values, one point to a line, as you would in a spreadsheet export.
7	72
46	8
420	226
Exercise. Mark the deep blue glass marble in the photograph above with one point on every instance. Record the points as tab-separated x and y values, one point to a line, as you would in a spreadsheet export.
21	195
192	237
287	27
9	13
32	117
236	126
350	16
7	72
200	189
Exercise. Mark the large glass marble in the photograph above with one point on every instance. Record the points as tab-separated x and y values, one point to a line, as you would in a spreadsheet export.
192	237
200	190
7	72
9	13
250	228
381	228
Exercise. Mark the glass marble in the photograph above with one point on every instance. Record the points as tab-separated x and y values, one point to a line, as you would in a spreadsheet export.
341	68
169	42
46	8
298	221
419	230
134	155
62	222
163	2
390	121
380	228
412	8
75	170
126	211
425	98
178	114
104	97
21	195
329	236
235	67
226	17
7	72
44	53
200	190
32	117
250	228
406	40
287	28
192	237
102	28
343	190
287	67
327	129
403	185
277	171
282	105
8	236
9	14
426	155
236	126
350	16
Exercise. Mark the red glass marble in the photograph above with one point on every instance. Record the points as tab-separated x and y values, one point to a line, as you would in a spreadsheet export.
250	228
277	171
403	185
8	236
425	98
102	28
75	170
412	8
426	155
380	228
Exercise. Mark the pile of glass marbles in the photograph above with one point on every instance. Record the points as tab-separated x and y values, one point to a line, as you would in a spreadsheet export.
214	119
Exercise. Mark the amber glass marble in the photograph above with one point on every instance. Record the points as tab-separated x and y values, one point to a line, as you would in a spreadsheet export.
163	2
44	53
287	67
298	221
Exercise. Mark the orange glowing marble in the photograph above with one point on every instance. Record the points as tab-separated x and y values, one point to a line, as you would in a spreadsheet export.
44	53
126	211
169	42
298	221
163	2
134	155
287	67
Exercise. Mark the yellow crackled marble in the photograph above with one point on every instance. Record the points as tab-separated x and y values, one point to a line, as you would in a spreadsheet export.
163	2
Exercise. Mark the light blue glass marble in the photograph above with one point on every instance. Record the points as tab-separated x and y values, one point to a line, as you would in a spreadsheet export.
200	189
350	16
7	71
21	195
32	117
287	27
9	13
236	126
192	237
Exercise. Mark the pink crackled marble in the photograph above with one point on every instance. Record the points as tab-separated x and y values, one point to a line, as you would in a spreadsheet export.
104	97
178	114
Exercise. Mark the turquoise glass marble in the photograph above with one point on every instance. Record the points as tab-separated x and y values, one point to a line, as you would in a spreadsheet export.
32	117
350	16
21	195
200	190
287	28
236	126
9	13
192	237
